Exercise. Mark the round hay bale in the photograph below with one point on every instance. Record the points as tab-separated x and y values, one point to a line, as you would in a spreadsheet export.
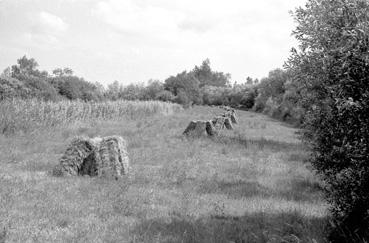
81	153
114	160
228	123
196	129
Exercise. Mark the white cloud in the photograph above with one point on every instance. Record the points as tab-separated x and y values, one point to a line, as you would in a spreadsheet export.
134	40
49	23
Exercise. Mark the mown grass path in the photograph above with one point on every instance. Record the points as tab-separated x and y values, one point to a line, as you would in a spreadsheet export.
247	185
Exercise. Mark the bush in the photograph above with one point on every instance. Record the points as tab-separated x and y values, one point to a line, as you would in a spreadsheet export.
38	87
332	69
164	95
248	99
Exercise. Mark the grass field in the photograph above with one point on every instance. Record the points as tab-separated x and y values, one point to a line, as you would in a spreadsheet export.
247	185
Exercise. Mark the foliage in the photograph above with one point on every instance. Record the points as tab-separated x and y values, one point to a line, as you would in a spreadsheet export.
132	92
186	86
27	67
58	72
153	89
165	95
11	88
331	70
73	87
208	77
201	85
214	95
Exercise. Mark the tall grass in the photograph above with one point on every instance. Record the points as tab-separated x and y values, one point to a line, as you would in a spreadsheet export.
247	185
28	115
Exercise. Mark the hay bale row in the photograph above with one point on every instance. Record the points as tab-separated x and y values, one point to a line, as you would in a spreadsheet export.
212	127
95	157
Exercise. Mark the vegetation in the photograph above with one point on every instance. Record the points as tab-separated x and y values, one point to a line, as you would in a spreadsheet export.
247	185
31	115
201	85
323	89
332	69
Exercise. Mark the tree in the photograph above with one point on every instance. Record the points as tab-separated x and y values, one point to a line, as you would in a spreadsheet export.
72	87
164	95
249	81
208	77
27	67
331	71
153	88
185	85
132	92
59	72
113	90
271	88
6	73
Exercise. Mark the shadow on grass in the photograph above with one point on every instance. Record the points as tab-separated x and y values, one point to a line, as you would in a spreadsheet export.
261	143
257	227
296	190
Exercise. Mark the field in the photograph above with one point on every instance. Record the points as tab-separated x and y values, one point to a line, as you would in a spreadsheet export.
247	185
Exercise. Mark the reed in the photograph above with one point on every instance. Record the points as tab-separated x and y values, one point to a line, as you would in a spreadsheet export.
29	115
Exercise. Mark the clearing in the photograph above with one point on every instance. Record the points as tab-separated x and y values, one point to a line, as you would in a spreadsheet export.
247	185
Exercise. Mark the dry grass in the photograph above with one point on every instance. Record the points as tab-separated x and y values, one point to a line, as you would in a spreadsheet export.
30	115
249	184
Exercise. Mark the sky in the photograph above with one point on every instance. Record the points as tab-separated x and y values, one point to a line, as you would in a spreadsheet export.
132	41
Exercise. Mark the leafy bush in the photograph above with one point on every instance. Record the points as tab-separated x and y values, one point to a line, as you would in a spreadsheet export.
332	71
164	95
11	88
186	87
73	88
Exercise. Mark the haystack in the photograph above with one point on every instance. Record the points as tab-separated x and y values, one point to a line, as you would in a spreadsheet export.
234	118
200	128
232	115
196	129
218	122
228	123
95	157
227	108
210	129
113	156
81	157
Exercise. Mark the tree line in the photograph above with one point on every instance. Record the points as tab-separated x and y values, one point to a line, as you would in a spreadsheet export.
199	86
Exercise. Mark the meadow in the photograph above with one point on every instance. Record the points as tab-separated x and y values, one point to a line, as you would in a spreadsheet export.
251	184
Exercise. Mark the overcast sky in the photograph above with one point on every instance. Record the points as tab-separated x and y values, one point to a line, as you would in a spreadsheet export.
135	40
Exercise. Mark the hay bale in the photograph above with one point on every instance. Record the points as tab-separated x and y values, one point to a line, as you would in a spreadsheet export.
196	129
210	129
227	108
234	118
218	122
95	157
228	123
232	115
81	153
113	156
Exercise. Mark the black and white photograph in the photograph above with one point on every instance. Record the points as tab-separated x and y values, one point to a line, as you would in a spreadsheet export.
184	121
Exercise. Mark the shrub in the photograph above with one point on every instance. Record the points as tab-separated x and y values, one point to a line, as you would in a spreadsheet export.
164	95
332	69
